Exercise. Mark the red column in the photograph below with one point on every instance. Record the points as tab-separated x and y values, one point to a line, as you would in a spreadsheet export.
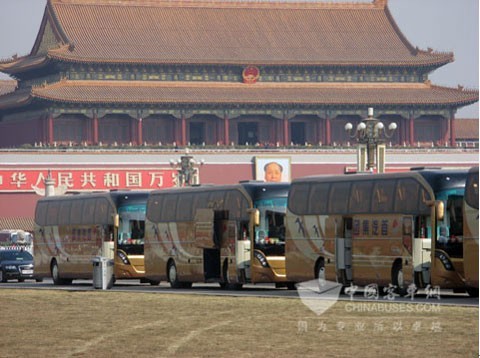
411	132
453	141
285	131
140	131
95	129
50	138
183	140
226	130
328	134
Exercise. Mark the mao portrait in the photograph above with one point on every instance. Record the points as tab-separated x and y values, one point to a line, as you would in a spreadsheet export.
273	170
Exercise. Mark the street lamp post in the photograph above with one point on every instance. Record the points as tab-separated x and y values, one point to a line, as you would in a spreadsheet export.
370	134
187	170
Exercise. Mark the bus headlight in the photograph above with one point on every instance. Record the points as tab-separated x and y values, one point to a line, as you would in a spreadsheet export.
123	257
445	261
260	257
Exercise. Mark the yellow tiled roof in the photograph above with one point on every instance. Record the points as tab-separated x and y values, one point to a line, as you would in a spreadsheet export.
164	92
229	32
20	223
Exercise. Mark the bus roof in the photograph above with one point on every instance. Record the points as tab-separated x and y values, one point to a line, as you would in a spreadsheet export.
195	188
473	170
258	190
131	197
445	179
116	196
437	178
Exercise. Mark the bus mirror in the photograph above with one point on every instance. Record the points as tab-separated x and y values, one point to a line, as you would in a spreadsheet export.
255	216
440	209
116	220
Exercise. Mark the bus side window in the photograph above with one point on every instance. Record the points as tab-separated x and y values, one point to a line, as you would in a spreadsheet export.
383	196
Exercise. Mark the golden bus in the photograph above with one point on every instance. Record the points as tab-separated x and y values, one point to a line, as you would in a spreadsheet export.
470	226
385	229
71	230
230	234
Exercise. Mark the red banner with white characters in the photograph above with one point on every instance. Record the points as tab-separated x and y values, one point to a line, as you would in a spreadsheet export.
88	179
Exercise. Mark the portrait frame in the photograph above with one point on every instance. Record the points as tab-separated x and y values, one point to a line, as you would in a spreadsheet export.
262	162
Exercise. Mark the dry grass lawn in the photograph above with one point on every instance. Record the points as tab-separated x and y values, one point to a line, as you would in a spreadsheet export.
107	324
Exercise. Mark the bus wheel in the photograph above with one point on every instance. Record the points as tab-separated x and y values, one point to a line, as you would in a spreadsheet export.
397	279
472	291
173	275
57	280
56	274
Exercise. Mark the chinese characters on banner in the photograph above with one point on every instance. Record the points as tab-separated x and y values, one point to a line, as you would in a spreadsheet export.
89	179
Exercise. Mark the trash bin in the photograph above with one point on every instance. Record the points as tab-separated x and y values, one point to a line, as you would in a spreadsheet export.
102	272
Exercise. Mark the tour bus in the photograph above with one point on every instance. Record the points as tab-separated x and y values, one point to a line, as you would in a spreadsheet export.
230	234
384	229
470	237
71	230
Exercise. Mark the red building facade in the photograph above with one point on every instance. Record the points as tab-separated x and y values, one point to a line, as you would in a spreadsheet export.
220	73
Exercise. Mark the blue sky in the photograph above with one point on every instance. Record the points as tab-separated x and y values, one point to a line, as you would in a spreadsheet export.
444	25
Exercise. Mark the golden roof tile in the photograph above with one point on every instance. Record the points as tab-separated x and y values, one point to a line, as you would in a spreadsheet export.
228	32
165	92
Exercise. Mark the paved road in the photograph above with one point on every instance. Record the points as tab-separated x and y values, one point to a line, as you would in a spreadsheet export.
445	297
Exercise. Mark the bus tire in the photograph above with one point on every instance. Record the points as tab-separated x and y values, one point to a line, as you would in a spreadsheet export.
55	273
397	279
57	280
172	274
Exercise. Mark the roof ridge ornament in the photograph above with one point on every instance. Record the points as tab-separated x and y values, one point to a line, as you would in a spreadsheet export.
380	3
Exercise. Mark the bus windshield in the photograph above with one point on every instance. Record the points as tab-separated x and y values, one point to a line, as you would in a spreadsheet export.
450	229
131	231
270	234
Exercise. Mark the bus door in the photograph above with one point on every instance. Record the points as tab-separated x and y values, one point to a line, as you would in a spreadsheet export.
243	251
208	237
421	247
343	253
